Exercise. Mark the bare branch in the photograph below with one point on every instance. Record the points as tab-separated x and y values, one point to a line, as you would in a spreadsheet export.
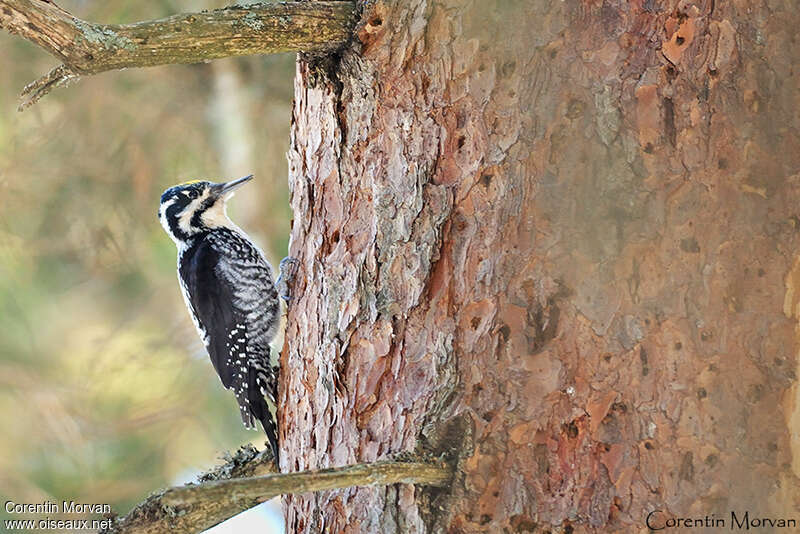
35	90
266	487
225	493
89	48
152	516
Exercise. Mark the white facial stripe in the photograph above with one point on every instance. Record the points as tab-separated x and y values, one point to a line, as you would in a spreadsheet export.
212	217
162	216
216	216
185	219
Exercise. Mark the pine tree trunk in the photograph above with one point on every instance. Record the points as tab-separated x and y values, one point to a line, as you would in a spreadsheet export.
558	239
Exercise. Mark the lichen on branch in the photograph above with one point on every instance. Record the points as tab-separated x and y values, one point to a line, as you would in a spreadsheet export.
88	48
248	478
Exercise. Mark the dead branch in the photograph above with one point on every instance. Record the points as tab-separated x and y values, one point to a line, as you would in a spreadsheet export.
226	492
151	516
87	48
35	90
265	487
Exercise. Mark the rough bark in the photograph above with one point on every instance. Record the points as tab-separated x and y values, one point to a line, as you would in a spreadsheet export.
562	236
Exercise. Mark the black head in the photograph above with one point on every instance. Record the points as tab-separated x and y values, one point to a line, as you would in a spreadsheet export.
194	207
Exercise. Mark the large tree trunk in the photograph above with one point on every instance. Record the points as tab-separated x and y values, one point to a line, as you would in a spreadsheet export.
558	240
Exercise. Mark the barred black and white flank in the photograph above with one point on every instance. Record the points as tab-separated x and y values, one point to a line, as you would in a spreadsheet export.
229	290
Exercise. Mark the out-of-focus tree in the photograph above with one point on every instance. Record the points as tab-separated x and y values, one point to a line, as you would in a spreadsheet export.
101	373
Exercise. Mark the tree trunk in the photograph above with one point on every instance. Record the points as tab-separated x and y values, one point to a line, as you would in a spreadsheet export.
557	241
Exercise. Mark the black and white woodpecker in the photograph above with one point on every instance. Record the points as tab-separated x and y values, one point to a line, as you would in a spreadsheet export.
228	287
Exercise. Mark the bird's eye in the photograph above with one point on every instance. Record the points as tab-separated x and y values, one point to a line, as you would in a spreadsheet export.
193	193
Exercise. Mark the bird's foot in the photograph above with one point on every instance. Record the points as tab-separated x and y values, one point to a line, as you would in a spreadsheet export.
288	269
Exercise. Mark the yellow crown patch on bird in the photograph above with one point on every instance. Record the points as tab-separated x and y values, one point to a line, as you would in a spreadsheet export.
224	277
190	182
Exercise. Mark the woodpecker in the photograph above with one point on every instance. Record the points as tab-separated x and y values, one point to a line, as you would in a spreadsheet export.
228	287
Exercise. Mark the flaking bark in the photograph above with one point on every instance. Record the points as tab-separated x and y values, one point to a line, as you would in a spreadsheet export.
573	224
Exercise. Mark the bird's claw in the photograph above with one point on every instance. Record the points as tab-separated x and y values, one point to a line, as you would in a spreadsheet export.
287	269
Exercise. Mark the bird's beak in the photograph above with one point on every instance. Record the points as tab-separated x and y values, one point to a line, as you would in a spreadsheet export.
226	189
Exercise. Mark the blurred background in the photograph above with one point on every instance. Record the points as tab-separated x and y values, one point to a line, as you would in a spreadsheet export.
106	392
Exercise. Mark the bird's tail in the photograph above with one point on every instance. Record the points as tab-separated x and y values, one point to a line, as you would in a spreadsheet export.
263	381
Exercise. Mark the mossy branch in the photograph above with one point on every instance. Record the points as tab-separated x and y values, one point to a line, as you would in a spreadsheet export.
225	493
87	48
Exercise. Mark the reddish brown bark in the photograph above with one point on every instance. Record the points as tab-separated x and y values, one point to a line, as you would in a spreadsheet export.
571	225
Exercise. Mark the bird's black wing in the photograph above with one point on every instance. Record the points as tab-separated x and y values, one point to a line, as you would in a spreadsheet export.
210	297
232	326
